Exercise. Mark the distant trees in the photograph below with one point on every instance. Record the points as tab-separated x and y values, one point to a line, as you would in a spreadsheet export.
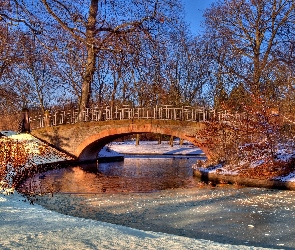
248	40
251	46
101	52
141	53
111	46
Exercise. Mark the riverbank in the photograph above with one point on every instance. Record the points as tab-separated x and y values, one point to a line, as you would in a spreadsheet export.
255	175
214	177
41	154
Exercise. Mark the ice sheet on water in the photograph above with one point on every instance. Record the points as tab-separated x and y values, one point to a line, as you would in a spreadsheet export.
43	229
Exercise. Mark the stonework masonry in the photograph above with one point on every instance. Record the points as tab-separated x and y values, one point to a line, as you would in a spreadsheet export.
84	140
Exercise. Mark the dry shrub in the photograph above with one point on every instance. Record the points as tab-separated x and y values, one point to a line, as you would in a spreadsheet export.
248	142
269	170
10	122
13	157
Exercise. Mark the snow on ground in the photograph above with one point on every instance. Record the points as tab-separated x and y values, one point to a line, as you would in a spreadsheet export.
216	169
27	226
152	147
8	133
108	152
39	152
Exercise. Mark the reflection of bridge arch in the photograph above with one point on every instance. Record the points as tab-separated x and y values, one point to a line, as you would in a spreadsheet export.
84	140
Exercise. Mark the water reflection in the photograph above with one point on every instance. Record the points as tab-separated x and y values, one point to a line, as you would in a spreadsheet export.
135	174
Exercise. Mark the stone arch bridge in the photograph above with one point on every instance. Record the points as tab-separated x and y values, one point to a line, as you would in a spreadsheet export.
85	137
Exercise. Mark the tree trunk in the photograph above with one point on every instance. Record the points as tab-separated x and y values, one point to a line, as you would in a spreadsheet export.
171	140
91	58
160	139
137	139
180	141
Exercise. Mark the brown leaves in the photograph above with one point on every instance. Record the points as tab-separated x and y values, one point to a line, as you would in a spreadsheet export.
13	156
249	141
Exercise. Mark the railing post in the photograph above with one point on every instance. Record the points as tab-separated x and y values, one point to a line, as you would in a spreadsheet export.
86	114
54	120
116	113
63	117
92	114
73	118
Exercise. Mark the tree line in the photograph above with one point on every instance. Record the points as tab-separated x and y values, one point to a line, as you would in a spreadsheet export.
141	52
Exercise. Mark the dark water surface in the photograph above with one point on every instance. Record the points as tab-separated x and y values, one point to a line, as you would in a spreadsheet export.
134	174
161	194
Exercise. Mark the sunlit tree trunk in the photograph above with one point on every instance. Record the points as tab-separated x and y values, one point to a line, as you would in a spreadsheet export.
91	57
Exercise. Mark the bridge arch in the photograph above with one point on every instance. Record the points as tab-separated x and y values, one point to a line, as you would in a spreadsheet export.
84	140
90	147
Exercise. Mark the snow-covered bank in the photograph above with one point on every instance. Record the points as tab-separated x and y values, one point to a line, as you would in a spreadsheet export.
22	154
39	152
256	164
26	226
108	154
219	170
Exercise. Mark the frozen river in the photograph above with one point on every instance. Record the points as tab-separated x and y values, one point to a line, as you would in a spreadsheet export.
161	195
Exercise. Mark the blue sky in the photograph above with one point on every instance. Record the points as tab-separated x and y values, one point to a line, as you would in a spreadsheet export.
194	12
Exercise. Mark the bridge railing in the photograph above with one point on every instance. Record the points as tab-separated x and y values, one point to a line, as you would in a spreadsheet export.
125	112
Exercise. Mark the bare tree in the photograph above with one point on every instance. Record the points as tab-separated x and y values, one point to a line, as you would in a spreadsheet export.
251	32
102	26
111	51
